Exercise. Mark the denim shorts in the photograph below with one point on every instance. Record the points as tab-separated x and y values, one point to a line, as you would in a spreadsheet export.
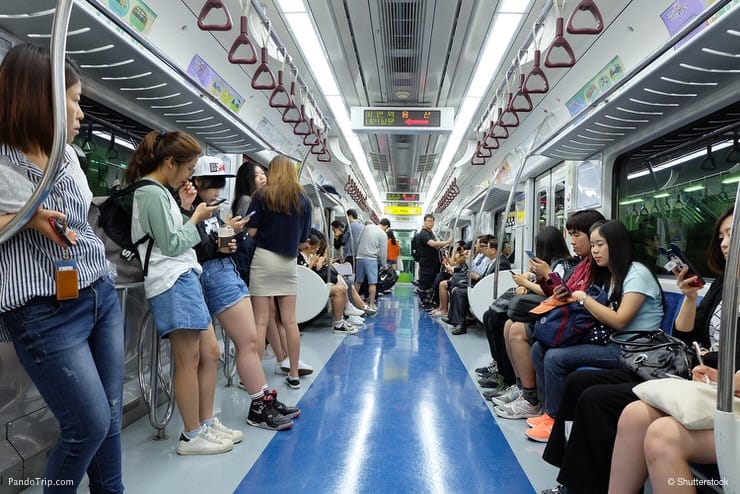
222	285
367	270
180	307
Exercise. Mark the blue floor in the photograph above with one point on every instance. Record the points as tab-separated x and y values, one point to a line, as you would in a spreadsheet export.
393	410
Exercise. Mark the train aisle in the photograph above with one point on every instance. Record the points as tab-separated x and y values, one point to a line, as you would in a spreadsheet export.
392	409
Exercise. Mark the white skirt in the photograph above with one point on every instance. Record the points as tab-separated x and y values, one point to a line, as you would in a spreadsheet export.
272	275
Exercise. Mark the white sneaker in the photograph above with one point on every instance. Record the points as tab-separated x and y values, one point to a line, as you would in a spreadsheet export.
510	395
303	368
269	354
345	328
370	310
355	320
223	432
351	310
205	443
518	409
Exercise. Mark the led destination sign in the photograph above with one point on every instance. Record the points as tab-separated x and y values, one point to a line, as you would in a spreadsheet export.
403	120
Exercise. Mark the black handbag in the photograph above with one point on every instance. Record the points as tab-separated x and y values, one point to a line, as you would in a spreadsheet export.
653	354
501	304
520	305
245	246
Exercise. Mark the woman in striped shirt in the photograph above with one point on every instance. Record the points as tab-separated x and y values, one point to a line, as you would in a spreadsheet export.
68	336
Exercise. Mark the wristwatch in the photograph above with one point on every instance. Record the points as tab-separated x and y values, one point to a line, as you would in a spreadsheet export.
583	299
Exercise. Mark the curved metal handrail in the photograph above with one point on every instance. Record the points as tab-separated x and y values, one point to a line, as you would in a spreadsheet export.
150	389
59	102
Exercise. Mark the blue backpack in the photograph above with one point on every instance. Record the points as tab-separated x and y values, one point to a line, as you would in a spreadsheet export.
569	324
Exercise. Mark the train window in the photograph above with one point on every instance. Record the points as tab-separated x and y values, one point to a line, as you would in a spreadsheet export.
559	206
542	209
106	158
679	202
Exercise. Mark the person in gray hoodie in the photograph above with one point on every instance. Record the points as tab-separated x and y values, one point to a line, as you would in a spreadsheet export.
371	252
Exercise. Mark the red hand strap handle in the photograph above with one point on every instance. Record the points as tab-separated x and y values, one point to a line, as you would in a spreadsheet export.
243	40
207	7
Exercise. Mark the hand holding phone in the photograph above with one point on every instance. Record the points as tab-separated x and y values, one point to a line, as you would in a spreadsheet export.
217	202
677	261
555	280
68	237
530	254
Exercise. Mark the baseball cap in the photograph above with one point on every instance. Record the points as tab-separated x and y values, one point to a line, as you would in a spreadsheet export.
211	166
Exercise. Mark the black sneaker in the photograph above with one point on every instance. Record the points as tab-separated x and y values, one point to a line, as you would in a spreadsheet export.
282	408
262	414
491	381
293	382
496	392
486	371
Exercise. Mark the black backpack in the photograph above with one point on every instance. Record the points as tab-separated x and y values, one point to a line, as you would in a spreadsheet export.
416	247
110	218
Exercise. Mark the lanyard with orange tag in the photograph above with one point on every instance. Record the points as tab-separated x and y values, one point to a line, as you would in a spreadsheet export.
66	277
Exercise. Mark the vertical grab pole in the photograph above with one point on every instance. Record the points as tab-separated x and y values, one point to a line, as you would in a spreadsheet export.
509	201
727	425
59	103
471	254
323	226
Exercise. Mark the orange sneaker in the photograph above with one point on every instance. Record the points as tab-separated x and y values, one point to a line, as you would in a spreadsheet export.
535	421
541	432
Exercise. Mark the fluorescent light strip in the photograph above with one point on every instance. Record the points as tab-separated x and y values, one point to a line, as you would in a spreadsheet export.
302	27
164	107
197	120
500	34
107	65
40	13
676	162
153	98
147	88
185	114
688	83
127	77
69	33
91	50
119	142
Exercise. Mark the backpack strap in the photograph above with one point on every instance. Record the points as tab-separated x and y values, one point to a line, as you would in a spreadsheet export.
147	237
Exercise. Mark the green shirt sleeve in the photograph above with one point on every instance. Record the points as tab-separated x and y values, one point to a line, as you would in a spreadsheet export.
155	217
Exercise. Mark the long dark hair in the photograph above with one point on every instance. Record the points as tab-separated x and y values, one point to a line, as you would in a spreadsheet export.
621	256
244	183
391	237
550	245
715	260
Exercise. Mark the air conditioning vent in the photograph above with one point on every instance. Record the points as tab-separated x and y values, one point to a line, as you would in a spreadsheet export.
379	161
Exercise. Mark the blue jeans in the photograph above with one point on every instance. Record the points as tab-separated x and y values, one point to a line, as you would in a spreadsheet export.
73	352
553	365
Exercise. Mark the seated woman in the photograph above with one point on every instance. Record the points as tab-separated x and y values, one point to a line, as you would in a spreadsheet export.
456	266
650	441
593	400
637	299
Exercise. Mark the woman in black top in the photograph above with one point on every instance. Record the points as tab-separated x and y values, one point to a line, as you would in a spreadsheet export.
594	400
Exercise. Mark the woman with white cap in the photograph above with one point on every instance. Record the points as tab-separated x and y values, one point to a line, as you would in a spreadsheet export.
227	298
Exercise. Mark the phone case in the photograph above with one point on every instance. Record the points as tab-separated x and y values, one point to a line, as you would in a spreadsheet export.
677	260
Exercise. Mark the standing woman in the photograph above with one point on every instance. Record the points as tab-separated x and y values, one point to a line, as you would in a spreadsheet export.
282	220
172	286
71	346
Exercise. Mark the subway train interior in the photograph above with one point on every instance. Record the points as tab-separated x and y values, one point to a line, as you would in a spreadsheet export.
497	117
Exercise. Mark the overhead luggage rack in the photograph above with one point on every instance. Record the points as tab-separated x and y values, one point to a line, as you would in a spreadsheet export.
692	76
124	72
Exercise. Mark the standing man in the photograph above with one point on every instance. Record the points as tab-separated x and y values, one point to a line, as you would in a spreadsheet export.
371	252
429	261
351	236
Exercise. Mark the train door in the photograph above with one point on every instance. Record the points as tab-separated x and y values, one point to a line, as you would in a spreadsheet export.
549	193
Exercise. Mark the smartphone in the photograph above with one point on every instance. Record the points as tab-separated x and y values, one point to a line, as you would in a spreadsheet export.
677	260
556	280
697	350
530	254
60	228
217	202
250	214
